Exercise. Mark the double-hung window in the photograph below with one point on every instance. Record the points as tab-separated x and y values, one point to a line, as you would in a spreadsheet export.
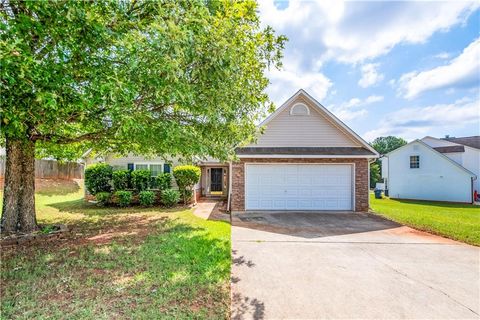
155	168
414	162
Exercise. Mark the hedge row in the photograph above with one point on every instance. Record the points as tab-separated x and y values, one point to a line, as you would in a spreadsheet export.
101	178
122	198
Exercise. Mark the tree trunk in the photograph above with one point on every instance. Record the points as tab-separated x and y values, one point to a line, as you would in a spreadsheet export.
18	213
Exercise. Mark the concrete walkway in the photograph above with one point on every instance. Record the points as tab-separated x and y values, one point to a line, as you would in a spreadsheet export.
348	266
211	209
204	209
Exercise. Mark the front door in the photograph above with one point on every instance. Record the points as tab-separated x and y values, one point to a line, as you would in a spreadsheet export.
216	185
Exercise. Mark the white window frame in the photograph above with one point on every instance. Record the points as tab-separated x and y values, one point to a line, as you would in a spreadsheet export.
299	105
148	166
410	161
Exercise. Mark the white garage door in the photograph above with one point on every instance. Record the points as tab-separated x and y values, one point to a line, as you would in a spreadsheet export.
298	187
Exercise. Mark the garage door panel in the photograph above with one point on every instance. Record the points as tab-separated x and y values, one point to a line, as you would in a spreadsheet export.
298	187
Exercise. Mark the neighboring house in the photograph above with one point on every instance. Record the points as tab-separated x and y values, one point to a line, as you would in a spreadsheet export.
434	169
306	159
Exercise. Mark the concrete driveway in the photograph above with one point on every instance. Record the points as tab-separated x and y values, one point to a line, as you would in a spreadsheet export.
305	265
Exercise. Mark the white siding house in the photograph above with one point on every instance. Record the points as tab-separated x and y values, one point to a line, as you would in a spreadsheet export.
432	169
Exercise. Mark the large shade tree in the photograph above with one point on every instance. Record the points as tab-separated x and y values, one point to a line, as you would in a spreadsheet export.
384	145
182	78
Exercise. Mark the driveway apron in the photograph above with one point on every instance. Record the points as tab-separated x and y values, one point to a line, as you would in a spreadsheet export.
313	265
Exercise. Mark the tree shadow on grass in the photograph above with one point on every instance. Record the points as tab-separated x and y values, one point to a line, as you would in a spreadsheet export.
178	270
92	209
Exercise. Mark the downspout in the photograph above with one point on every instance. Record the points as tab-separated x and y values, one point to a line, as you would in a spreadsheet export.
388	176
471	189
229	185
368	173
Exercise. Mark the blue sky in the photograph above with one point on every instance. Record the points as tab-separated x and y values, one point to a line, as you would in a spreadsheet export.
408	69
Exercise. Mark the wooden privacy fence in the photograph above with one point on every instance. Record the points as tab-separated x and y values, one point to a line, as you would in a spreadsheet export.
51	169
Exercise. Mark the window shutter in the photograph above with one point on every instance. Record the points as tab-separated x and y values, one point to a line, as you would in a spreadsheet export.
166	168
130	166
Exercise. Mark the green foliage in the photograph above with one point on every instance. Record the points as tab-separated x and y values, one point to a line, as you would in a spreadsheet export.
186	177
141	179
103	198
124	198
146	198
121	179
90	63
164	181
170	197
47	229
98	178
384	145
374	174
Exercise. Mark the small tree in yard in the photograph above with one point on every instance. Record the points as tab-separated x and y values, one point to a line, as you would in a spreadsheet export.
186	177
375	175
176	78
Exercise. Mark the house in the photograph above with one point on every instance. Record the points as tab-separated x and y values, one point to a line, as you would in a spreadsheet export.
434	169
305	159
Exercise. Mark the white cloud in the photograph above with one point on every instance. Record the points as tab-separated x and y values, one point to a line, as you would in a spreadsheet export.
412	123
284	83
356	31
373	99
442	55
462	70
370	75
347	110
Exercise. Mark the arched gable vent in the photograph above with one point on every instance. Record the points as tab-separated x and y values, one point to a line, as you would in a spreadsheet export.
299	109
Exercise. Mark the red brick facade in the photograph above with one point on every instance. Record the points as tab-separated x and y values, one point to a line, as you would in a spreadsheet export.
361	179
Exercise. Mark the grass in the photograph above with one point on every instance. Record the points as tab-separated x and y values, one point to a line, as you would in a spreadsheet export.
455	221
119	263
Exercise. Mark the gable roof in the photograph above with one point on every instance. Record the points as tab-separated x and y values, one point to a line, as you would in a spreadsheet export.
433	150
450	149
473	141
324	111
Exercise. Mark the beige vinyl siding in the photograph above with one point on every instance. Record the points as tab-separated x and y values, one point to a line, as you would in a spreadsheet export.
122	162
314	130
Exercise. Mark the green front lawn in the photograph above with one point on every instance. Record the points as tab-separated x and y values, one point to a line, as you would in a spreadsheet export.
145	263
456	221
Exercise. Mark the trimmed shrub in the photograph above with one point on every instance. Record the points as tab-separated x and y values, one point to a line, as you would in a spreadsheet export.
186	177
153	184
103	198
141	179
124	198
170	197
98	178
164	181
146	198
121	179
